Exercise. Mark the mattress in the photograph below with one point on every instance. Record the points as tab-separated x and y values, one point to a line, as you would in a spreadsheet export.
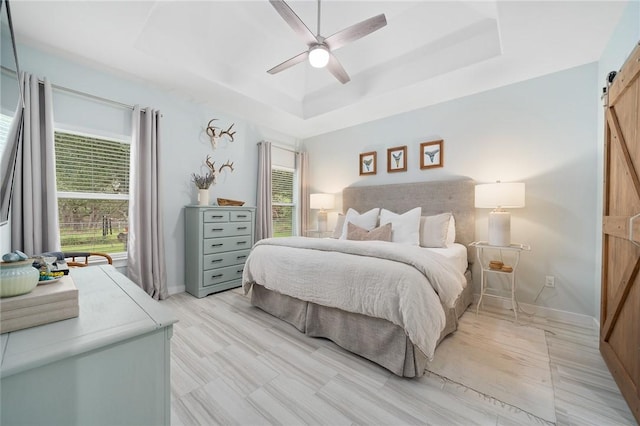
457	253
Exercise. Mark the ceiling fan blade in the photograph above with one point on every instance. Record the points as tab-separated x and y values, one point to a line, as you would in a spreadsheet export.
289	63
355	32
294	21
336	69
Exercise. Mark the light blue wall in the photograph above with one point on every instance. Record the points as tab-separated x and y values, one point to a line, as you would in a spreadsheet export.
625	36
184	144
541	132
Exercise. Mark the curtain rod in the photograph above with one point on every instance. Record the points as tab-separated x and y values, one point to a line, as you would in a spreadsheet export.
77	92
280	147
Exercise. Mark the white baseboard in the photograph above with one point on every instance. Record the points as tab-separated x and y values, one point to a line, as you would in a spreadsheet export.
176	289
539	311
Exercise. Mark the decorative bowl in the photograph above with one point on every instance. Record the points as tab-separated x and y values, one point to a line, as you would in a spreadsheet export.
227	202
17	278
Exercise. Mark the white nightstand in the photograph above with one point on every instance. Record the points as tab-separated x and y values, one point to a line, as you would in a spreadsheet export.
513	255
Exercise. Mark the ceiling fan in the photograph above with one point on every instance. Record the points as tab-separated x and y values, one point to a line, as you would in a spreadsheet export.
320	51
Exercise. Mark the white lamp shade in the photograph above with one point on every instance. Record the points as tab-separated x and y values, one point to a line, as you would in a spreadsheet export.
322	201
499	195
319	56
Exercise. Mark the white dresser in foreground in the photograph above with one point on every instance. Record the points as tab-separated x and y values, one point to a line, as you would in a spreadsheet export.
217	243
108	366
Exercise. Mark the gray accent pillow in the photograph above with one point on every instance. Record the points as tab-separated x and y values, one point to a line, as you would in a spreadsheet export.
382	233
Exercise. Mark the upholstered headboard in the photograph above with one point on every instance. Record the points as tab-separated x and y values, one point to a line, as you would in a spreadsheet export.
456	196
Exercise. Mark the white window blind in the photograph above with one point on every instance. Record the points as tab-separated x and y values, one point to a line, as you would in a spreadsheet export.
5	123
81	115
284	201
87	164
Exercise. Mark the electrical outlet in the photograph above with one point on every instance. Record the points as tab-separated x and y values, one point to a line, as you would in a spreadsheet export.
550	281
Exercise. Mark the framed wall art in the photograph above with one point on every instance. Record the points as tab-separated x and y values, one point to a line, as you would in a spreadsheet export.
368	163
431	154
397	159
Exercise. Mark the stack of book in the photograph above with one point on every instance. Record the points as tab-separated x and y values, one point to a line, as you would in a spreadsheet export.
48	302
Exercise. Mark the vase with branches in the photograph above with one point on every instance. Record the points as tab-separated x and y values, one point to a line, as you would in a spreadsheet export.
203	182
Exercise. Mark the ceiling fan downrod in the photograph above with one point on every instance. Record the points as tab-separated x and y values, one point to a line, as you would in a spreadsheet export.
318	33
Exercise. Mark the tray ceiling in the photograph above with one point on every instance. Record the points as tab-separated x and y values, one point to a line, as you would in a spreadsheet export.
217	52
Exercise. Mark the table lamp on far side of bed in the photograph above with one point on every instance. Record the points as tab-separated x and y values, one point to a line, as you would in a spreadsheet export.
499	196
323	202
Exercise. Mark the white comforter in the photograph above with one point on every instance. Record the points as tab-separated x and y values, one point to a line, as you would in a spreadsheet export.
403	284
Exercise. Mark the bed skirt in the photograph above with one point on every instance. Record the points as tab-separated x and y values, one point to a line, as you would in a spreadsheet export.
375	339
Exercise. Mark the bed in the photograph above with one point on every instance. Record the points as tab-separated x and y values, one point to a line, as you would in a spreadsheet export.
310	282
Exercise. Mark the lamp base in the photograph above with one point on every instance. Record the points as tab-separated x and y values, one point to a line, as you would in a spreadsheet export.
322	221
499	228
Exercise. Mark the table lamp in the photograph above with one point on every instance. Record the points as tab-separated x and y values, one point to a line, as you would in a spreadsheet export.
499	196
322	202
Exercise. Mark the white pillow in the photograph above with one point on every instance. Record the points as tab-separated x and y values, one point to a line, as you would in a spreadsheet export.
434	230
367	220
451	233
405	228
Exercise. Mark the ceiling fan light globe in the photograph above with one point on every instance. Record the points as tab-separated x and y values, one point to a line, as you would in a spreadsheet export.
319	56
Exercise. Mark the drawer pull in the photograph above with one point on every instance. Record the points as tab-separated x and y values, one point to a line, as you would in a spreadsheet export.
241	257
217	245
240	228
217	229
217	276
239	271
240	242
242	215
217	217
216	260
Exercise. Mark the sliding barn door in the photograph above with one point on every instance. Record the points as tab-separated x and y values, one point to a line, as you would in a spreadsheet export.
620	307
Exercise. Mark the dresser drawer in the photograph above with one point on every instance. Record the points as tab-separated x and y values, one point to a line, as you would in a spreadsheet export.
214	230
240	216
218	245
216	216
220	260
220	275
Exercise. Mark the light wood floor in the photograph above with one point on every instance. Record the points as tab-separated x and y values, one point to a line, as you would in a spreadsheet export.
232	363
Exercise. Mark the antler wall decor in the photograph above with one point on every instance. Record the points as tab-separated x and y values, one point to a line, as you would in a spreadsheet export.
212	166
227	164
216	133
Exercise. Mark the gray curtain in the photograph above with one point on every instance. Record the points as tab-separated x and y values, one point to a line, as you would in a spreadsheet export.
34	206
302	161
264	225
145	249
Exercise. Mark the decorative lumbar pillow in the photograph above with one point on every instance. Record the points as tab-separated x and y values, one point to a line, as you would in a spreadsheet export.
434	230
337	231
367	220
406	226
382	233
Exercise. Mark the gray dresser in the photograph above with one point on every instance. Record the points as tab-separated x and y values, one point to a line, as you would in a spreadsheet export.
217	243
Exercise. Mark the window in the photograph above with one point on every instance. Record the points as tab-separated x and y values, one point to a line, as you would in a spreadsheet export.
92	175
284	201
5	123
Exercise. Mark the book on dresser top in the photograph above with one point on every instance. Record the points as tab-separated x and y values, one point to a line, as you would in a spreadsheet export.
46	303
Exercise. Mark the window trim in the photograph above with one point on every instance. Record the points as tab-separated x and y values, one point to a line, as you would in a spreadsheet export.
93	195
120	258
